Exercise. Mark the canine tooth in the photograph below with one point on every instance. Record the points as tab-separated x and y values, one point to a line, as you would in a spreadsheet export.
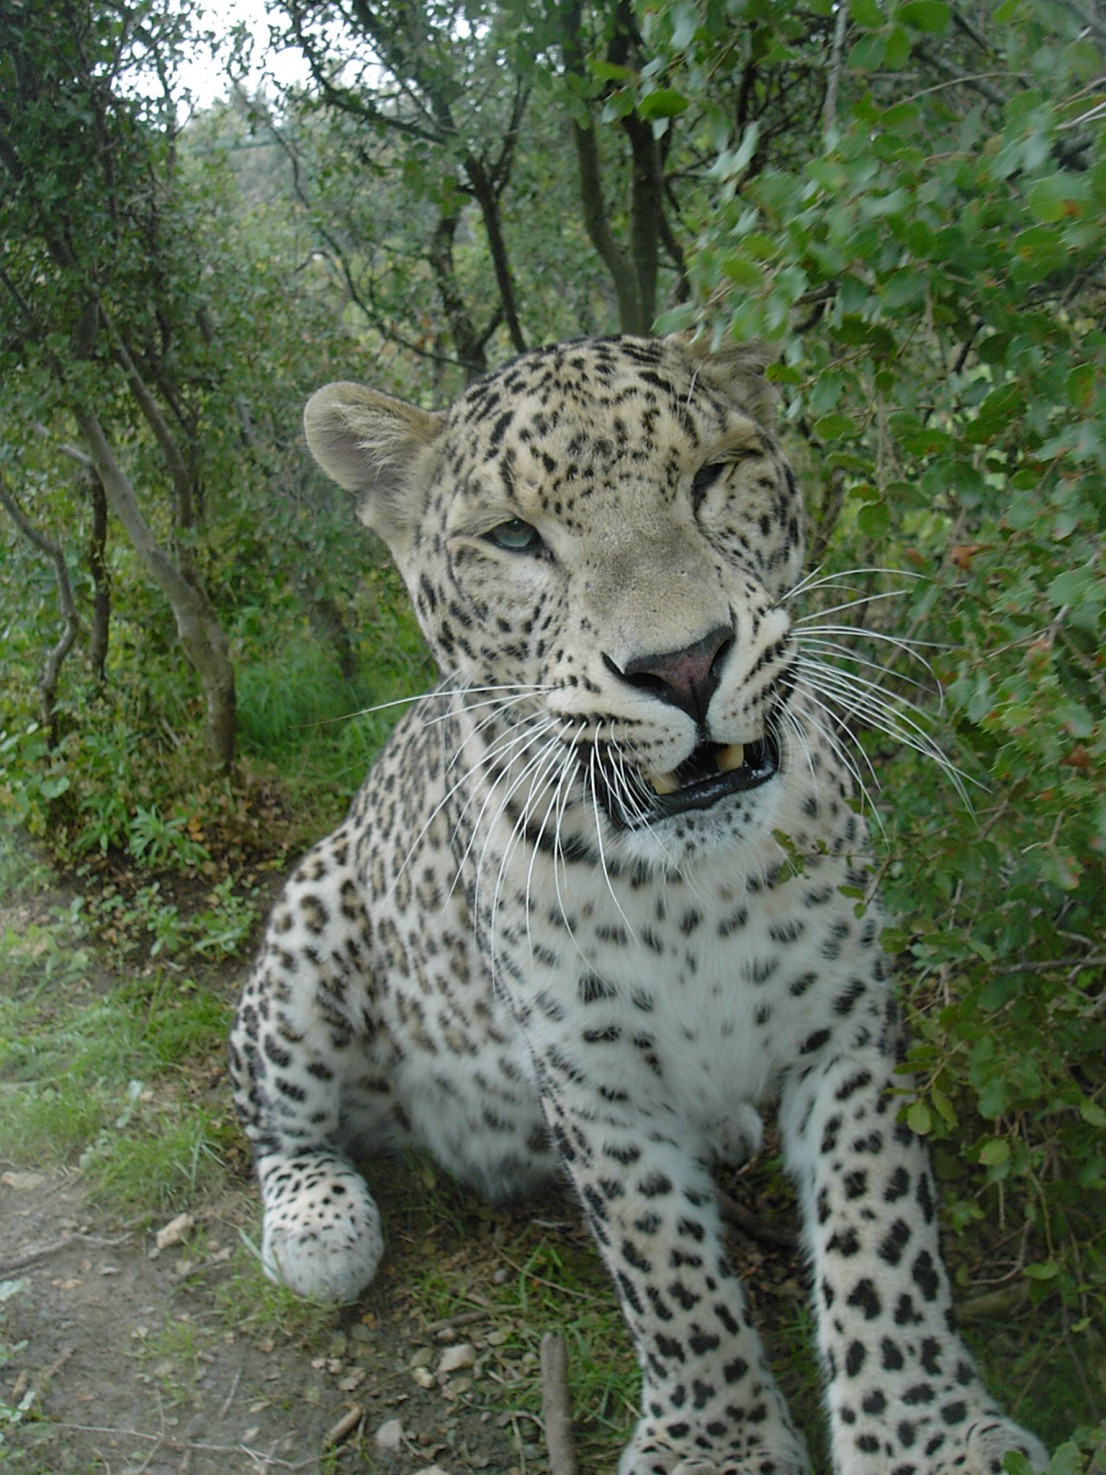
662	783
731	758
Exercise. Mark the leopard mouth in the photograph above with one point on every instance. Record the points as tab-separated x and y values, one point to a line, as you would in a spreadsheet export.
636	797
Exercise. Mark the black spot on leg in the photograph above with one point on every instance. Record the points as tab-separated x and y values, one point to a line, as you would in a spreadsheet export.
925	1276
865	1298
894	1242
856	1183
897	1186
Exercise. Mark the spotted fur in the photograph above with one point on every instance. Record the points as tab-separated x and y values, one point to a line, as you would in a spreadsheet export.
557	928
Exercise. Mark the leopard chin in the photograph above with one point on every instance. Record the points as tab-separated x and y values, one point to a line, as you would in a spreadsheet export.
635	798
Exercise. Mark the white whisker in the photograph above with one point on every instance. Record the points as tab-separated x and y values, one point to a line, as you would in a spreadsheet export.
815	579
834	737
599	833
898	719
835	648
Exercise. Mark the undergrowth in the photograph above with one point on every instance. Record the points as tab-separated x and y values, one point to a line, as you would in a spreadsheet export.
87	1075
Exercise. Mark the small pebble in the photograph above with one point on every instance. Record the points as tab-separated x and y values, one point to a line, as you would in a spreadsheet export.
175	1232
457	1357
389	1436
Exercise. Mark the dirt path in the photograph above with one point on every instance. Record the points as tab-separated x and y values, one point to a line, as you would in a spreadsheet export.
128	1360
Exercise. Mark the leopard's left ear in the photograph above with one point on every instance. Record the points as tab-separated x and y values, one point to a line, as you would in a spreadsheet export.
375	446
739	372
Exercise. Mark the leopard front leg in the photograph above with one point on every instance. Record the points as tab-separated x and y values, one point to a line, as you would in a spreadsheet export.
904	1393
299	1042
321	1233
710	1405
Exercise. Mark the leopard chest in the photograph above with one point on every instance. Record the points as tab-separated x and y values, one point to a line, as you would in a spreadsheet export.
687	996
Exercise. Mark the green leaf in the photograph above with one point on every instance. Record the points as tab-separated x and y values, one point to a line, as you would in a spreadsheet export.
1058	197
897	48
834	427
944	1107
607	71
919	1118
924	15
866	13
867	54
995	1152
874	519
664	103
744	272
1043	1270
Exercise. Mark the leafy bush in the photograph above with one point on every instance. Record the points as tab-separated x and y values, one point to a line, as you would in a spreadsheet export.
934	272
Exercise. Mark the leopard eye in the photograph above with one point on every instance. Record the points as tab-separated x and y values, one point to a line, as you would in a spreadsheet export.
516	536
704	479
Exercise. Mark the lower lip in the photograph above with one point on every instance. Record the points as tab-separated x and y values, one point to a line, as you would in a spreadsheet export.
704	794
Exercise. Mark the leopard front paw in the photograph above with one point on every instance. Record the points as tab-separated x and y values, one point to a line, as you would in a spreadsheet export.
675	1451
984	1445
322	1236
952	1441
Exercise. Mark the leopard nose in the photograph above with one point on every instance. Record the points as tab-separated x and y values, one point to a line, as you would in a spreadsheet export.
684	678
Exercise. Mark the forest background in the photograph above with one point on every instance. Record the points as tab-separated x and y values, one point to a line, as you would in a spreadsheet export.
905	196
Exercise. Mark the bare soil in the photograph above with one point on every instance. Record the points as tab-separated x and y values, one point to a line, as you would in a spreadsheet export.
137	1361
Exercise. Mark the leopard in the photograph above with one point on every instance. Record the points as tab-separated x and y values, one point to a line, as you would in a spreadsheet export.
605	898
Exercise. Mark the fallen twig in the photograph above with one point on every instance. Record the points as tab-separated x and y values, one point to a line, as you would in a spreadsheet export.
756	1228
556	1406
185	1445
464	1318
55	1247
344	1426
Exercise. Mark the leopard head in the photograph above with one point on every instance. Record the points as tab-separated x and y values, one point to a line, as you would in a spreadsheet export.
606	531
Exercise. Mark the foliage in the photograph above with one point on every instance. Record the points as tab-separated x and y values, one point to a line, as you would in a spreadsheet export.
934	267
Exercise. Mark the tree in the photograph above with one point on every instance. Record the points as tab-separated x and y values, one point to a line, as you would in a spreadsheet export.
102	317
424	85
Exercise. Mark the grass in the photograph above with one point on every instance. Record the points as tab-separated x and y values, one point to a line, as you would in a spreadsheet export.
84	1075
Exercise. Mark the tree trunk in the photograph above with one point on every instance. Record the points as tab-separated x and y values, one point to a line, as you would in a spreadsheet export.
632	266
48	682
101	582
198	627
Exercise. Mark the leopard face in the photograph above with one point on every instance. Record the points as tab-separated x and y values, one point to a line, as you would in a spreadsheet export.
604	534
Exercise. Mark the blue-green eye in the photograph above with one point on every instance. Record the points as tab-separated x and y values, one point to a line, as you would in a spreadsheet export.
516	536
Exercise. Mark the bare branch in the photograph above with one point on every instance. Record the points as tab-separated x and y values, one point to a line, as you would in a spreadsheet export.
829	109
48	682
556	1406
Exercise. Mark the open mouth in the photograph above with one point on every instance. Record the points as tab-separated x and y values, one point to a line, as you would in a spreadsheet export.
635	797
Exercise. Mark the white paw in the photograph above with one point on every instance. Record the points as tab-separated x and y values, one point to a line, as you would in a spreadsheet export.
989	1439
783	1454
322	1236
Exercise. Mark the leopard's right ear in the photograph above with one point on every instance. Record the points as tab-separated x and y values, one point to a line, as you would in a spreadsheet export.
374	446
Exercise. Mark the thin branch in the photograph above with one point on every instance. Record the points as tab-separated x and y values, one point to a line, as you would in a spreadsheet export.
1087	17
56	1247
367	306
829	109
48	682
556	1406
